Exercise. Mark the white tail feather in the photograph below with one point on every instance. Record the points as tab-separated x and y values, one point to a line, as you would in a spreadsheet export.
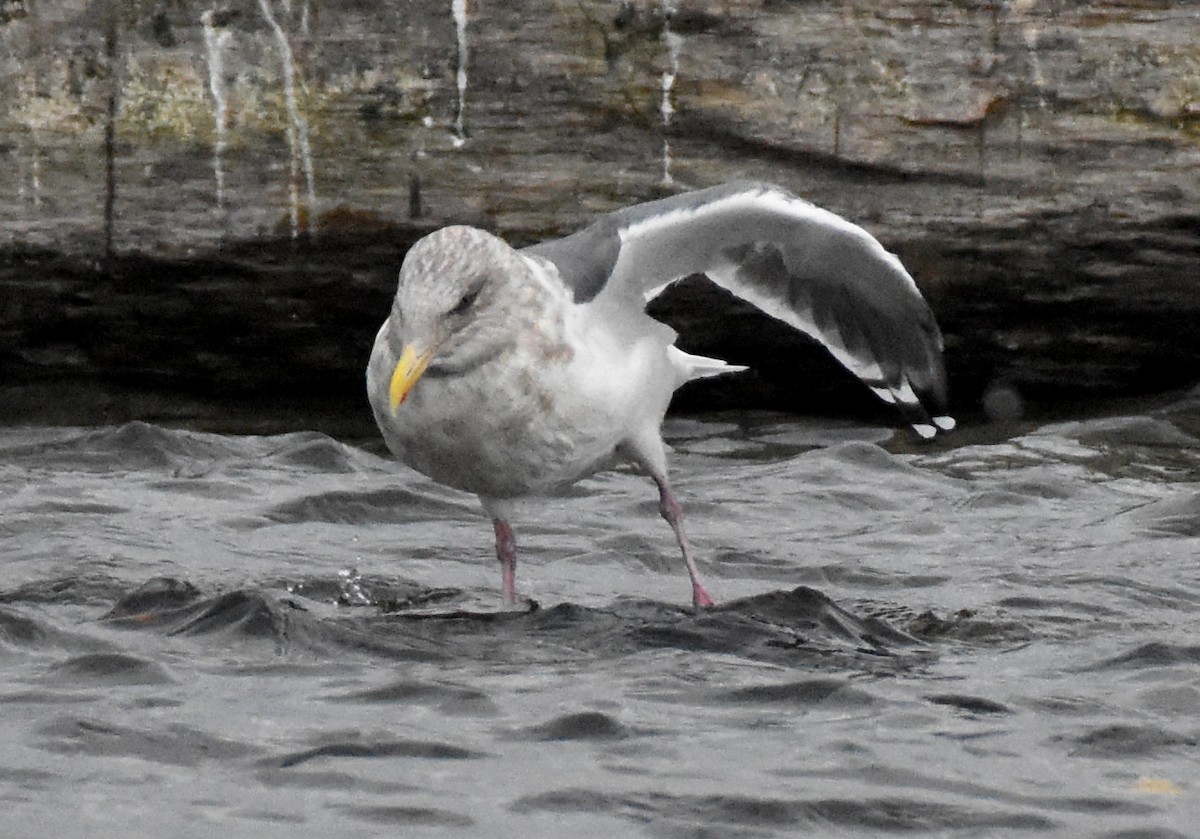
700	367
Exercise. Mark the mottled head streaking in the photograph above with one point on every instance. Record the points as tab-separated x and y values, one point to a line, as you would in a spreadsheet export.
457	300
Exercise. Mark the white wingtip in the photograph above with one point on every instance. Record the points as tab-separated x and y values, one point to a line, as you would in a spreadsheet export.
884	394
945	423
926	431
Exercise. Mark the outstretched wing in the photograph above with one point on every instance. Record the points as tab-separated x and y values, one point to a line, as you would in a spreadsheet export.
799	263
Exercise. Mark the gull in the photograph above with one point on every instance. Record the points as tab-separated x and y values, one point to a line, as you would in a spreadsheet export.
515	373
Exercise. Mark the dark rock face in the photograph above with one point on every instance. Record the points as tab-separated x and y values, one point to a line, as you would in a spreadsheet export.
208	205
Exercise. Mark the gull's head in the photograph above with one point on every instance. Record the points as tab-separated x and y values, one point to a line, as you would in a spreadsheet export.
459	302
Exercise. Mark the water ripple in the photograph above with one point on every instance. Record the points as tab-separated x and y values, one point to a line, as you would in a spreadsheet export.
988	635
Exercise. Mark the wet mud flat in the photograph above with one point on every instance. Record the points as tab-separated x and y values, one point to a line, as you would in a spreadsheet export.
289	635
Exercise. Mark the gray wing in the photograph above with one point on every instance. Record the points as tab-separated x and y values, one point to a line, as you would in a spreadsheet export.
799	263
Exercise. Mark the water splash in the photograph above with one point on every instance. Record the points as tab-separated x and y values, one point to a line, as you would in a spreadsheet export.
352	592
666	108
297	130
458	8
216	39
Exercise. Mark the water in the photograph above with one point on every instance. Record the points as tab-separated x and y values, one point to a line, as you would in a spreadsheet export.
666	108
297	129
994	635
216	42
458	10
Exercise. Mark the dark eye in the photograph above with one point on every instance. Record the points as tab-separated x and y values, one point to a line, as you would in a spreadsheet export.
465	302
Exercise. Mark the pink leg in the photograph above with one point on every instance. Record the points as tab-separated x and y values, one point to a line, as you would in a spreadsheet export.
673	513
506	552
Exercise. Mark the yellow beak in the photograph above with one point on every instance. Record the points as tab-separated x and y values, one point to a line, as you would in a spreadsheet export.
409	368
